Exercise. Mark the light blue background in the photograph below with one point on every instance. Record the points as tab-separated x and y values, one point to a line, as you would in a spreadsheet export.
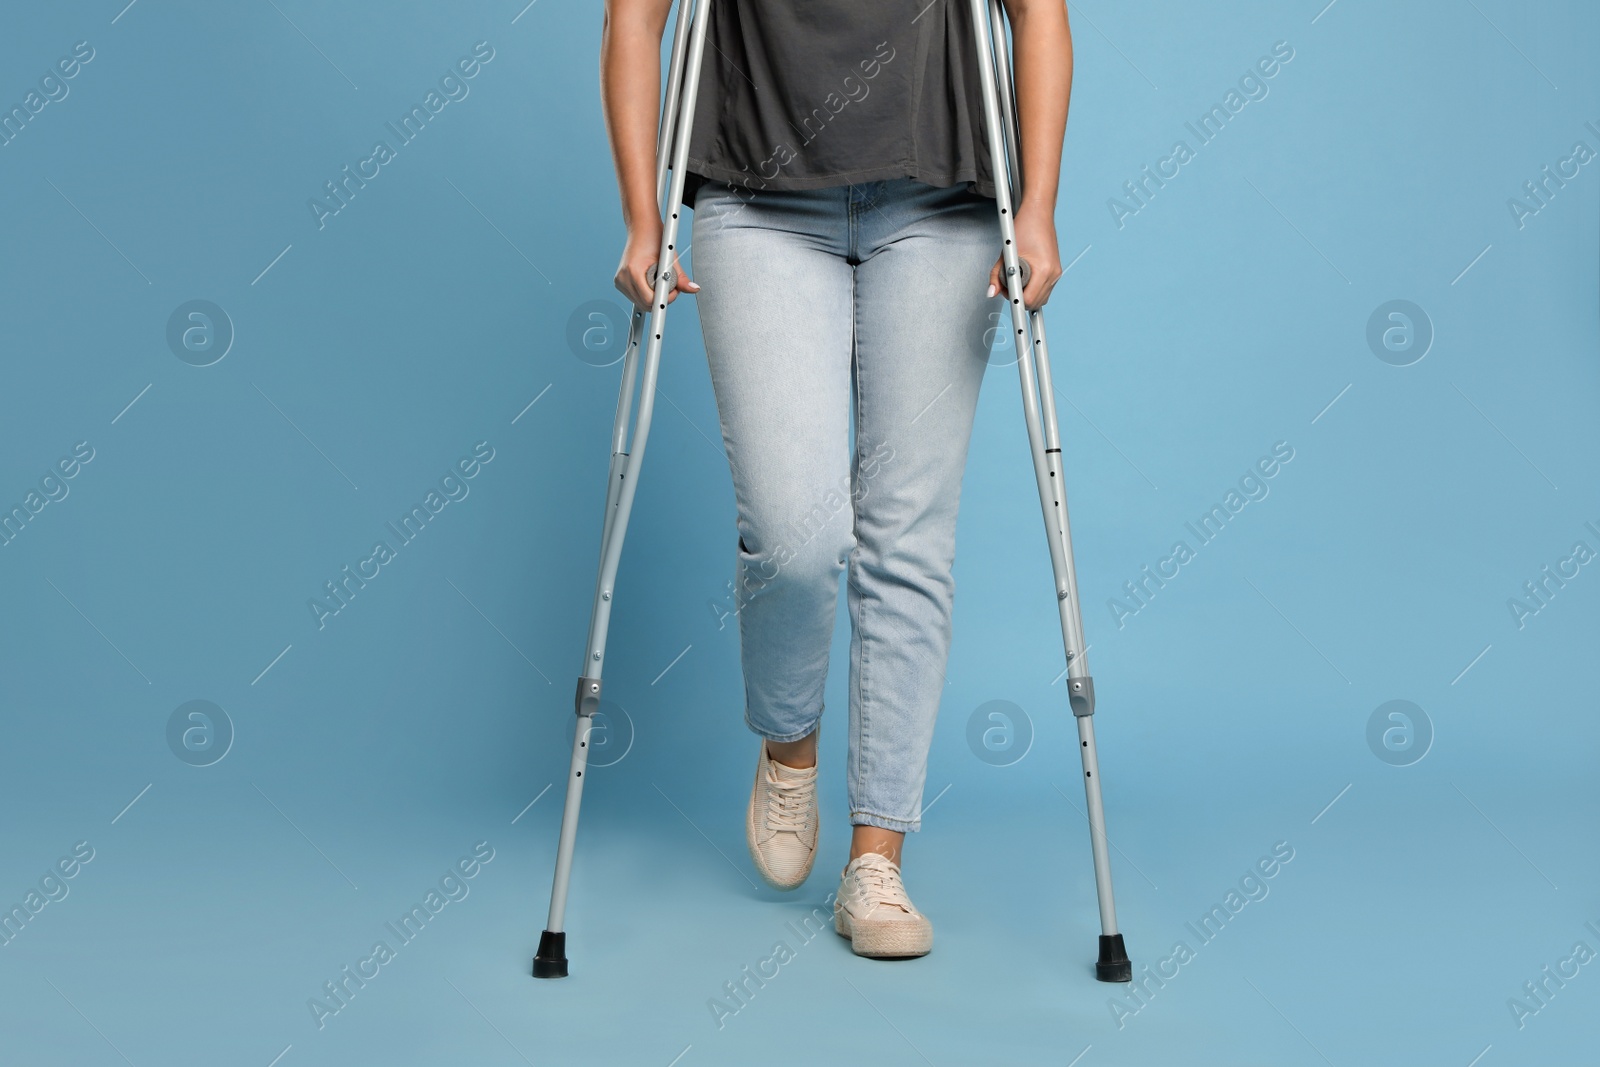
369	755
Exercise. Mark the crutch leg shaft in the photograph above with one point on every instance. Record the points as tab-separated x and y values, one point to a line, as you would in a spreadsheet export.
627	456
1033	367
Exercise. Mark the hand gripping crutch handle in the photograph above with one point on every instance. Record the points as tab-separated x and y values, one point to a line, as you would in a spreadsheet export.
1027	271
672	277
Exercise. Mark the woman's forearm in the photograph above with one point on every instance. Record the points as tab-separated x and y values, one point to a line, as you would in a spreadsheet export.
1042	57
630	99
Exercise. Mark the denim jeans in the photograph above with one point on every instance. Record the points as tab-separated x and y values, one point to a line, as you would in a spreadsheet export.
857	306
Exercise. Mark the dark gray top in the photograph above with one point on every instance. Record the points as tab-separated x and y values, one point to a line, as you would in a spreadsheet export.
802	94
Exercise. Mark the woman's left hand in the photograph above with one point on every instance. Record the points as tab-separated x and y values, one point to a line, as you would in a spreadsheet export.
1036	243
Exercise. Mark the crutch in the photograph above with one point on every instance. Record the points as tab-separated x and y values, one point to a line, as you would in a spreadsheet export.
1000	118
677	116
676	120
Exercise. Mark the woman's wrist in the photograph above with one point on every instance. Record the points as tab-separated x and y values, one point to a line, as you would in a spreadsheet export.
644	226
640	211
1036	210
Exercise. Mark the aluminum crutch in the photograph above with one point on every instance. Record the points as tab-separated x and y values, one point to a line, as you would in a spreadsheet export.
1038	406
677	119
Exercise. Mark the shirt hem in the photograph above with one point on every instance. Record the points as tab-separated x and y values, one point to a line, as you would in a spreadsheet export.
938	179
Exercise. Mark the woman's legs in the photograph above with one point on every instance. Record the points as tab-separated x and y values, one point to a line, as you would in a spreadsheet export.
775	310
921	314
782	278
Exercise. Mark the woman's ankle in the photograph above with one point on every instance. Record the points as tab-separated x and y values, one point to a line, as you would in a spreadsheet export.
801	753
884	842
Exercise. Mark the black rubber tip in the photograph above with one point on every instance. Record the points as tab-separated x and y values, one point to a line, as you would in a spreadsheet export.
551	959
1114	965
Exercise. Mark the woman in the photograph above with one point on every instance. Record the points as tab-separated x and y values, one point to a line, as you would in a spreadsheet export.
844	225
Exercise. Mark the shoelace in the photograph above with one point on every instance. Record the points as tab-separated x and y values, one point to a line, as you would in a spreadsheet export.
786	807
880	884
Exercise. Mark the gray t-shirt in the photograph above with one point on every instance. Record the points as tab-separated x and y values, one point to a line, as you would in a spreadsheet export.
803	94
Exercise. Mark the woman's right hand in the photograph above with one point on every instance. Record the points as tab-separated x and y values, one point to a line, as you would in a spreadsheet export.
638	256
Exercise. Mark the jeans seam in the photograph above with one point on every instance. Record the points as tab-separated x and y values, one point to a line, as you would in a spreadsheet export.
851	222
852	573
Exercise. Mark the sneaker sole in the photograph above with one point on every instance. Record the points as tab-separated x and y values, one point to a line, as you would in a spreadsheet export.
888	940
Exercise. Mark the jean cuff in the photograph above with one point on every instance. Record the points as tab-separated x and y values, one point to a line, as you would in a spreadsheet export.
867	818
780	738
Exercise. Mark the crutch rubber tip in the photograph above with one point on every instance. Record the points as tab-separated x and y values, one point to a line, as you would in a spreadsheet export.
551	959
1114	965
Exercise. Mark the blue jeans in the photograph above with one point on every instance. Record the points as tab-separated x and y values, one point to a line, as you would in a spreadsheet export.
807	296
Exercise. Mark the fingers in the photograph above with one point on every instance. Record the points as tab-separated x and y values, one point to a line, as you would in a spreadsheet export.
1038	280
642	284
635	280
1037	292
630	282
681	282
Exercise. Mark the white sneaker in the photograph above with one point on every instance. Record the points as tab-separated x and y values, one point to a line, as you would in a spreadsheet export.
781	822
873	911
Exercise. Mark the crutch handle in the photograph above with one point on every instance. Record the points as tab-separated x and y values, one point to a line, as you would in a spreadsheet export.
1027	271
672	276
